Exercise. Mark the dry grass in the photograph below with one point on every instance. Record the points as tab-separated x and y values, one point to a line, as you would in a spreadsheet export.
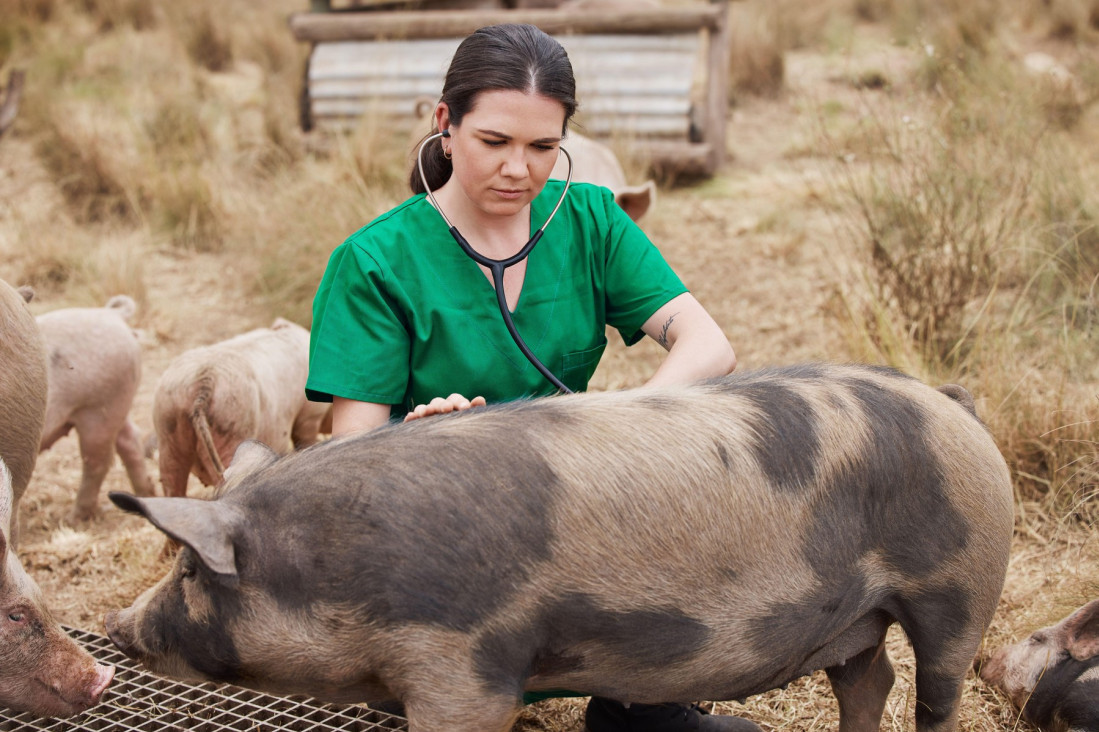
158	154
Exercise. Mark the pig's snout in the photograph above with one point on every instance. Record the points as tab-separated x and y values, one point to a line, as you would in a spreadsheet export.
67	695
94	693
115	623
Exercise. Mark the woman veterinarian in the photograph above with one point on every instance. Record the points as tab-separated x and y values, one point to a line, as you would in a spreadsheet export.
406	324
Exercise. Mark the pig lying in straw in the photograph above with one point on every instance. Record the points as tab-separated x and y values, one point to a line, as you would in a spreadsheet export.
23	387
42	670
703	542
1053	676
94	374
212	398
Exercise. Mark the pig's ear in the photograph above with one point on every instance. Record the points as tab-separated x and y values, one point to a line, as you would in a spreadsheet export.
250	457
636	200
207	527
1082	631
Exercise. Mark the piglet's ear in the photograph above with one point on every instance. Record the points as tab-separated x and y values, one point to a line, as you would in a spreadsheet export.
207	527
1082	632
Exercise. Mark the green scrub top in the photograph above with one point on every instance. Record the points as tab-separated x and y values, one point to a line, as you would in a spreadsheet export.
402	315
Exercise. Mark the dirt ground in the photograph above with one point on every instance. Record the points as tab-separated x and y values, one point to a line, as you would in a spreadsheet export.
757	245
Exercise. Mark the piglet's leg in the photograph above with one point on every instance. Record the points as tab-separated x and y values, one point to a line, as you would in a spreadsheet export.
132	452
97	454
861	687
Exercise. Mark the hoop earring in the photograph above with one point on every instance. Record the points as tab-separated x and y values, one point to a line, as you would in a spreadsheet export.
447	154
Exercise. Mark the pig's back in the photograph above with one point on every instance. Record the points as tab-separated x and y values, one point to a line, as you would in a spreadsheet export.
788	479
23	387
94	356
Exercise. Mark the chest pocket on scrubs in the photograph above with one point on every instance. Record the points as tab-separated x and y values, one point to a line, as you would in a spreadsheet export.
577	367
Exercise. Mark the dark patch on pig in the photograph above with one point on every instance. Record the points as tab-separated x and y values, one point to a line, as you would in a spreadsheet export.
934	619
723	456
207	647
653	637
791	627
787	420
1080	709
885	499
1058	693
447	526
936	699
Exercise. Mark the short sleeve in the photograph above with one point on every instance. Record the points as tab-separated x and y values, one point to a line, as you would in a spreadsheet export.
638	280
359	344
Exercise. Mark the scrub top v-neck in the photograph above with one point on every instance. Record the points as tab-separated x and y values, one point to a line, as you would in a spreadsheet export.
402	315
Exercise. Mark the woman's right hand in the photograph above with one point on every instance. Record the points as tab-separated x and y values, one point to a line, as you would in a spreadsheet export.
439	405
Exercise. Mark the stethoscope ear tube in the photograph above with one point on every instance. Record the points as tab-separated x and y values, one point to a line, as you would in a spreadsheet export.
497	266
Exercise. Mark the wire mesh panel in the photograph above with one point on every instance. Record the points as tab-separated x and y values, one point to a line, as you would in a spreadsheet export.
139	700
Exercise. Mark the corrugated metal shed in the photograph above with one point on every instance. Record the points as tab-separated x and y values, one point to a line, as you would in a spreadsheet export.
632	84
655	74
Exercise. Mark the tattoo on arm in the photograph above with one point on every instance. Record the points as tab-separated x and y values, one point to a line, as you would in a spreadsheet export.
662	339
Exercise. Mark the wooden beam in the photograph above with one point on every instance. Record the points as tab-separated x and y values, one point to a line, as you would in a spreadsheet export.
403	24
10	106
717	85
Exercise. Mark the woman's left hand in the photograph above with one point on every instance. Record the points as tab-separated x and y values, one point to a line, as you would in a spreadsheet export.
439	405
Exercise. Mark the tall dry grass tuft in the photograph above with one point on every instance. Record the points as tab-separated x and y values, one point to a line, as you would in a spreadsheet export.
762	33
92	158
207	40
757	63
39	11
936	203
980	267
112	14
326	198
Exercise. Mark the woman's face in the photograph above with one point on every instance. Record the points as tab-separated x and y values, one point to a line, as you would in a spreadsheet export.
504	149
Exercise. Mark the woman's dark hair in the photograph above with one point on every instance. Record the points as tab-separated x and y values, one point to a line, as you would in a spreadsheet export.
508	56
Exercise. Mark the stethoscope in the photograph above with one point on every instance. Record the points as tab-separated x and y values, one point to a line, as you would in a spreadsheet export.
497	266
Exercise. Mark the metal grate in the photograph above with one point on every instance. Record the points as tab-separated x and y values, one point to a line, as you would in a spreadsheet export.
139	700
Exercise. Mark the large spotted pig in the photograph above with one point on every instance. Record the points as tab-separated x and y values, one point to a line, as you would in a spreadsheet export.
1053	675
212	398
42	670
23	387
94	374
704	542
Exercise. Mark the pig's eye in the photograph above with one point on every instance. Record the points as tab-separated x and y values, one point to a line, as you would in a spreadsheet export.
1038	638
16	617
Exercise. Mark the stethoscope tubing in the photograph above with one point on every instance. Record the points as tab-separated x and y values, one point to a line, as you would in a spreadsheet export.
496	267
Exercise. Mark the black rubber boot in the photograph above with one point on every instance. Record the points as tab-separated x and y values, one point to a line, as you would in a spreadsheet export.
607	715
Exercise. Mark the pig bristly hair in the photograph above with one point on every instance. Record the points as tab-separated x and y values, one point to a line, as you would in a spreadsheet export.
1062	699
